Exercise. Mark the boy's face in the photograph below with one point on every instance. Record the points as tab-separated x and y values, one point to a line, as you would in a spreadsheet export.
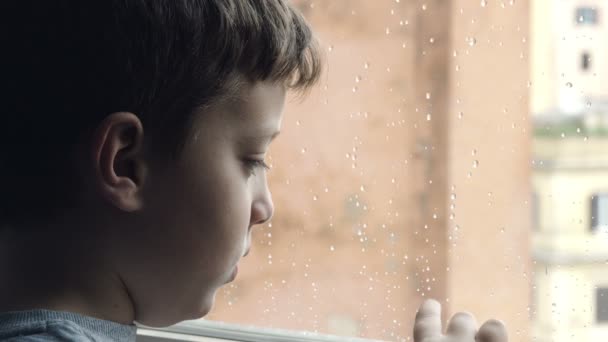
196	216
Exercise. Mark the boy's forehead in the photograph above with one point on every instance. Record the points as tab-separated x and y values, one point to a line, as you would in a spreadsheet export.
259	102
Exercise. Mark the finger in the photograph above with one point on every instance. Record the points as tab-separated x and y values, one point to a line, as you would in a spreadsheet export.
428	321
463	326
492	331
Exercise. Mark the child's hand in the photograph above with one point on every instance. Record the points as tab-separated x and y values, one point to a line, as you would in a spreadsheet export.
462	327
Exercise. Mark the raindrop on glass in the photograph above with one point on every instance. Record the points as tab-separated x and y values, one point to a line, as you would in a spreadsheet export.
475	164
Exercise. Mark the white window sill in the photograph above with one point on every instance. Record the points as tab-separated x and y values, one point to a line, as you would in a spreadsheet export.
207	331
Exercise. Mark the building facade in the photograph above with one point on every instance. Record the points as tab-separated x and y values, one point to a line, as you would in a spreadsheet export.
570	179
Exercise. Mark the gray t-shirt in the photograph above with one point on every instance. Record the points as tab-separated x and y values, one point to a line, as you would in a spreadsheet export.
45	325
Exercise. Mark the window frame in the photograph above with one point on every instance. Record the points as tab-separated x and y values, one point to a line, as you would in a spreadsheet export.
210	331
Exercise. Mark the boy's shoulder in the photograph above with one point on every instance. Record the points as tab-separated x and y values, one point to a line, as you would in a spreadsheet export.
46	325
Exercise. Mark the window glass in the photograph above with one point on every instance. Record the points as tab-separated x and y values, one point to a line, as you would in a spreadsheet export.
585	61
601	296
599	212
408	174
586	15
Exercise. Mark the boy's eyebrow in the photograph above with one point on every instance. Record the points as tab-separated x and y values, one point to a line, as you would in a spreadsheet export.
262	138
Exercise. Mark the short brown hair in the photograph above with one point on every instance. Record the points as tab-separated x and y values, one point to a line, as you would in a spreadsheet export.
67	64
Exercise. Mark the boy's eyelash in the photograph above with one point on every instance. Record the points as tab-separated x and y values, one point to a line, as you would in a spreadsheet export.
254	164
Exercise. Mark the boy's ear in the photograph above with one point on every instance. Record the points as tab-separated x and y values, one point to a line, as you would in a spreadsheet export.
118	160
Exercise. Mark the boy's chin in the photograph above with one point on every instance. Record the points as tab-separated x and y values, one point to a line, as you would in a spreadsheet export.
188	313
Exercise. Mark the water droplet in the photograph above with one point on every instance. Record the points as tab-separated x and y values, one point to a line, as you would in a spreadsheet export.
388	30
588	104
362	188
326	189
314	198
303	150
298	123
475	164
424	7
473	152
428	96
358	79
366	65
453	197
569	84
332	248
428	117
330	48
484	3
431	40
452	216
460	115
563	135
472	41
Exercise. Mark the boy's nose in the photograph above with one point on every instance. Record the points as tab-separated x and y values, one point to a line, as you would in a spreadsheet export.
262	210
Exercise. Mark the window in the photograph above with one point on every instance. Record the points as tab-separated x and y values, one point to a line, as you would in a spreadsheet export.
586	16
601	304
585	61
599	212
407	173
535	212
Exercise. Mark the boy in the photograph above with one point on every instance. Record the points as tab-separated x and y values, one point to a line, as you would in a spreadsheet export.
133	140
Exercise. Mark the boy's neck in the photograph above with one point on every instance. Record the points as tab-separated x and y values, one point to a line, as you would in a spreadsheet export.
45	273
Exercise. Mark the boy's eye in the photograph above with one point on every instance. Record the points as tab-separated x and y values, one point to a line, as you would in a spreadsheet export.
255	164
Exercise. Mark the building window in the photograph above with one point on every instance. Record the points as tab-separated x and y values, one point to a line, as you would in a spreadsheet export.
586	16
599	212
535	213
601	304
585	61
